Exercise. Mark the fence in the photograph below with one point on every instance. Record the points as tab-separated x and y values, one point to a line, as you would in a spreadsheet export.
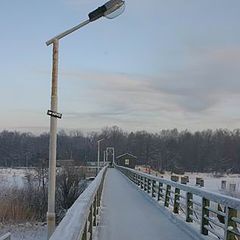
7	236
215	214
81	218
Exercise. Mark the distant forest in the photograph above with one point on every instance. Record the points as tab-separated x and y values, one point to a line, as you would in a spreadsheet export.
201	151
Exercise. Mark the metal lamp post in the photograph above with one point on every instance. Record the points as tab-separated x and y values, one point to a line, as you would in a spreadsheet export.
104	157
98	158
111	9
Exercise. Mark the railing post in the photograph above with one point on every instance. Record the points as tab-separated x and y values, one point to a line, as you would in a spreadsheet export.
98	201
139	180
145	184
167	196
230	224
153	188
85	232
134	178
149	185
142	183
205	212
176	200
90	218
160	194
189	206
95	211
131	176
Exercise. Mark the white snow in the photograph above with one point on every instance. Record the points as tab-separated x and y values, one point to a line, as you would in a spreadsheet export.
12	177
25	231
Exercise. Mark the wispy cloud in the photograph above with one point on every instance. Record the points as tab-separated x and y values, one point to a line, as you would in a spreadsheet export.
199	88
210	77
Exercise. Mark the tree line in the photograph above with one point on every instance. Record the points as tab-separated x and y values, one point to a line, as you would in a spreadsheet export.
200	151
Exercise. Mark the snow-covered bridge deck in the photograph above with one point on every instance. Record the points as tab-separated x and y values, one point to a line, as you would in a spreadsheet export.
128	214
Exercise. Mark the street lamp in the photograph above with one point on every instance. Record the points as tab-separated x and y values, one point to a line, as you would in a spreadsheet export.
98	159
111	9
104	158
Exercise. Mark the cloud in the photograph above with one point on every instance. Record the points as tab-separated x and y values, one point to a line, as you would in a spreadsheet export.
205	81
172	98
121	92
198	87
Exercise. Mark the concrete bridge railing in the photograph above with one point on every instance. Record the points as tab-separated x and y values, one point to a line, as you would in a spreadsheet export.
81	218
215	214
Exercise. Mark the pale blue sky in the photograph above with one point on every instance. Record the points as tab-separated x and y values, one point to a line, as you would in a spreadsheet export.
161	64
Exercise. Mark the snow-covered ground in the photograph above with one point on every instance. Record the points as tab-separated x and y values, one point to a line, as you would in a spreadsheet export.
12	177
16	178
25	231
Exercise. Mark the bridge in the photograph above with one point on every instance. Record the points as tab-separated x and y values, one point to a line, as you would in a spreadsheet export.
122	203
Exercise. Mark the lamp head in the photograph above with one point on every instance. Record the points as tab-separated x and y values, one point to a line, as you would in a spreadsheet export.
111	9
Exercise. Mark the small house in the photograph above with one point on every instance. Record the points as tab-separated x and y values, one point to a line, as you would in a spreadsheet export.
126	160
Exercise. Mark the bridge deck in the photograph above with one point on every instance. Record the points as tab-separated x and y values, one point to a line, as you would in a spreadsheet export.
127	214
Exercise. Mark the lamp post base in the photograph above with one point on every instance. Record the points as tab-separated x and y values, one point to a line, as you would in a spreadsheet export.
51	219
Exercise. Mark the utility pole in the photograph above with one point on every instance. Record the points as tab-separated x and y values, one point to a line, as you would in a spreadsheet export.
53	144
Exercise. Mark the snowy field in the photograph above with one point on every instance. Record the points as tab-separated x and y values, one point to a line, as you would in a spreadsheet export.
16	178
211	182
10	177
214	183
25	231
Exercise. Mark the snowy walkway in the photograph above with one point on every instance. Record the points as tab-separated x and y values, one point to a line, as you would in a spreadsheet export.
128	214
